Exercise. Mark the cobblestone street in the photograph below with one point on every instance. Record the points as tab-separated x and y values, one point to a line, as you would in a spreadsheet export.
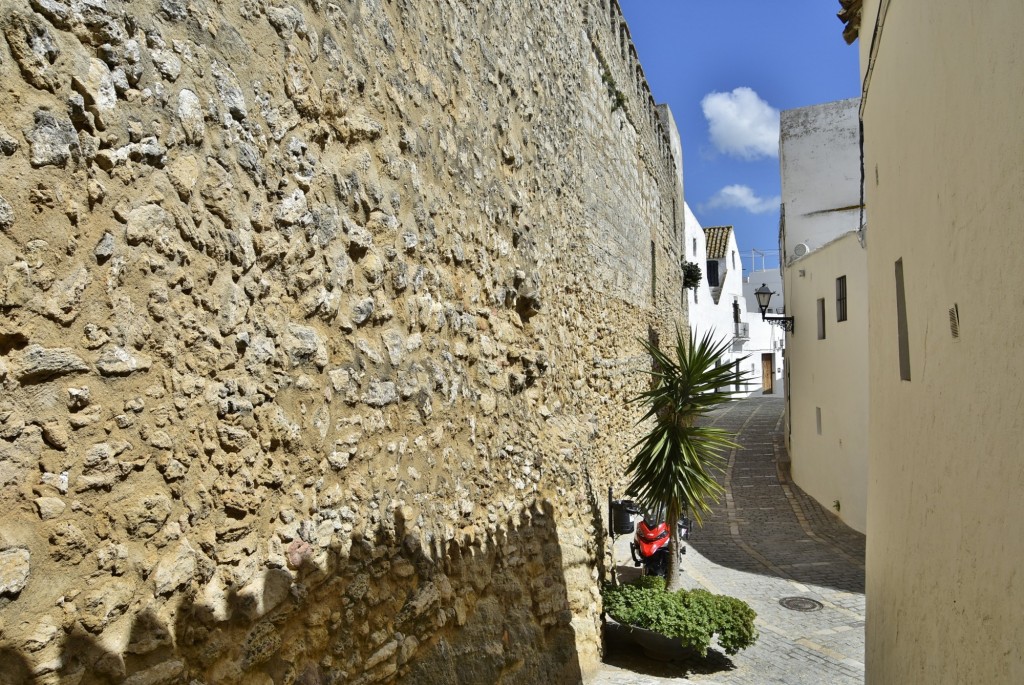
766	541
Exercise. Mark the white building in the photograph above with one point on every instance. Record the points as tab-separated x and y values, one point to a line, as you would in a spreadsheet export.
719	303
825	282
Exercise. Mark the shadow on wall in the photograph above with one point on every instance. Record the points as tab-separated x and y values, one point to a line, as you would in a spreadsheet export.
481	611
520	631
14	668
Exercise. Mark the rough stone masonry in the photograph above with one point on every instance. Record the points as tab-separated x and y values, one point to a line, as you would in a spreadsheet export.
316	326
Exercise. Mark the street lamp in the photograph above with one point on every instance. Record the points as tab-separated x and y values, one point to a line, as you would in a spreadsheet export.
764	297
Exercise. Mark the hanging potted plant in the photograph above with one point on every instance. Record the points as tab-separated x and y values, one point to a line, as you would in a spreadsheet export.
691	275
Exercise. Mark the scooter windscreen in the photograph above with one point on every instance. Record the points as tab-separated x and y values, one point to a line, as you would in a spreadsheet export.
653	518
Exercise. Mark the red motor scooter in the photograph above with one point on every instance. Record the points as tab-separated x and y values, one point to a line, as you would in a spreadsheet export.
650	545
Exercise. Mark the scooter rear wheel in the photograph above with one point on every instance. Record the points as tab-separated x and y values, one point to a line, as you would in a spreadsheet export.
658	565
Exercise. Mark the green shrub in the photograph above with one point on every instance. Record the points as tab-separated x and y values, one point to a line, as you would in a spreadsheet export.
692	616
691	274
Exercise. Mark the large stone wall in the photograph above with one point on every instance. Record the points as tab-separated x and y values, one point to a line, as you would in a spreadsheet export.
316	326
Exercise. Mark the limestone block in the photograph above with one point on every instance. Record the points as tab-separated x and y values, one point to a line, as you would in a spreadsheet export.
233	438
147	516
148	150
265	592
190	116
183	172
55	434
14	570
229	91
380	393
286	20
175	569
12	422
292	209
164	673
360	239
49	507
362	310
65	296
167	63
68	543
104	604
304	345
150	224
43	634
175	10
117	361
6	215
34	49
299	84
104	248
8	144
96	86
53	140
57	481
37	363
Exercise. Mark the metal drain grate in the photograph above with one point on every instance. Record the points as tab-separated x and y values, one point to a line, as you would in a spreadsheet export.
800	603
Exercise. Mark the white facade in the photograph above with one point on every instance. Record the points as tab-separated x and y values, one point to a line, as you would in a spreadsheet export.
819	158
771	278
825	281
718	307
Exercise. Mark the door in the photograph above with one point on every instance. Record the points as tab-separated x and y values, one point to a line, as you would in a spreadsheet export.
768	372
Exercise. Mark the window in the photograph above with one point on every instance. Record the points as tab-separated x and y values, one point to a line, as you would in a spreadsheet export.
821	318
695	295
694	247
734	259
841	298
713	273
817	418
901	323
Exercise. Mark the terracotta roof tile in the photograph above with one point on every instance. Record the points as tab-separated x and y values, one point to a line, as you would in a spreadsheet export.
718	240
850	15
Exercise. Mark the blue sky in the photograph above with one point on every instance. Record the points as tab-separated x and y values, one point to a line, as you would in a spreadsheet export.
726	68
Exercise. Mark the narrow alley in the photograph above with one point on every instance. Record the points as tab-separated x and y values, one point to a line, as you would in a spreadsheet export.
766	541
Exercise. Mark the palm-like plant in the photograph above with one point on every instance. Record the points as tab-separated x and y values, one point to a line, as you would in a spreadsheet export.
675	462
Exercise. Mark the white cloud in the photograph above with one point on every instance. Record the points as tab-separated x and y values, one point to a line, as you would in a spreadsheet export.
742	124
742	197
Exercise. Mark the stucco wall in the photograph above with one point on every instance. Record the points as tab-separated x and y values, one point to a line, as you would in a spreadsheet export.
830	375
819	164
316	326
942	122
819	158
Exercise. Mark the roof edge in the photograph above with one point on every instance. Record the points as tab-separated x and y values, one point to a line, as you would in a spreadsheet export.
850	15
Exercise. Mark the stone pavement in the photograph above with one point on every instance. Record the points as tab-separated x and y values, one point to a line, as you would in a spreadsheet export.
765	541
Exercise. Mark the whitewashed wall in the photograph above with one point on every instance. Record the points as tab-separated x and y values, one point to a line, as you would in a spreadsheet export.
705	314
819	160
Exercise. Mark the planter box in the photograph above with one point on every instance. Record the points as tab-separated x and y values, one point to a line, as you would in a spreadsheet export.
655	645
